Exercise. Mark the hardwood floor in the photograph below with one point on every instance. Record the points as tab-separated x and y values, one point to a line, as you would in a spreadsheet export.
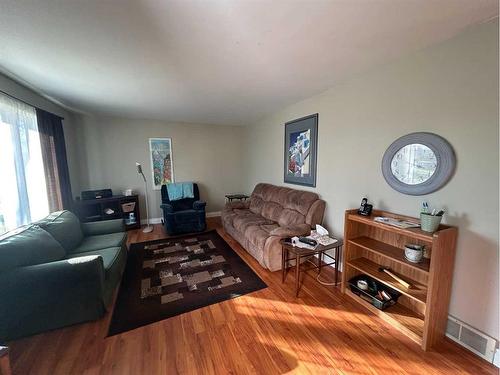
265	332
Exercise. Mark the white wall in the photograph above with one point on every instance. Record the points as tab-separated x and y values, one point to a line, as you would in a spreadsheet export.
20	92
450	89
207	154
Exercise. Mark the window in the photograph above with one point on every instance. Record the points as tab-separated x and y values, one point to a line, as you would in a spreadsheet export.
23	191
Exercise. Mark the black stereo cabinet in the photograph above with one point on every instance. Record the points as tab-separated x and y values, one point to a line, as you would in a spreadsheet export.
115	207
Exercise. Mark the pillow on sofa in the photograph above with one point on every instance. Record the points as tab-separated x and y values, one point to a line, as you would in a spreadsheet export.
27	246
65	227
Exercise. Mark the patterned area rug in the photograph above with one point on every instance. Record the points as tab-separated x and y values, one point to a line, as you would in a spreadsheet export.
168	277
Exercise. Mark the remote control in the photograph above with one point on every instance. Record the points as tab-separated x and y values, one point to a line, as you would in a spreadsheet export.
308	241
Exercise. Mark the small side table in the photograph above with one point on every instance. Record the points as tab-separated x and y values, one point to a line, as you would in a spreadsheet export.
240	197
298	253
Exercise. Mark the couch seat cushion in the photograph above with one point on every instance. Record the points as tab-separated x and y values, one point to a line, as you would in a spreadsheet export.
113	258
65	227
28	245
101	241
228	218
256	235
269	227
231	214
242	222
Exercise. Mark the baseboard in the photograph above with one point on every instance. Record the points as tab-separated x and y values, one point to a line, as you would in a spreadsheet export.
157	220
496	358
153	220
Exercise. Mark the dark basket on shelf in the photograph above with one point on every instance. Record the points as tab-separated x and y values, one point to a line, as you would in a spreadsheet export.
370	295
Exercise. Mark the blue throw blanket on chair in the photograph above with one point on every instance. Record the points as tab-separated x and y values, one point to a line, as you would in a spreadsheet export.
180	190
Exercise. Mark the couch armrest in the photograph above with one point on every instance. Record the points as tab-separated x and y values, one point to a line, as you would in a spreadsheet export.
237	205
103	227
167	208
292	230
199	205
44	296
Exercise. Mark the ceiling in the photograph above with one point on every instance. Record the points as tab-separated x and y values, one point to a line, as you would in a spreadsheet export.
212	61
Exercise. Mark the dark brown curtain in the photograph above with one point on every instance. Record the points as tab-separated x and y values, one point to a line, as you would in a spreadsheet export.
54	160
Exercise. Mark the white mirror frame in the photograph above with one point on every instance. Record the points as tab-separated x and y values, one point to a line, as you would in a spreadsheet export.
445	157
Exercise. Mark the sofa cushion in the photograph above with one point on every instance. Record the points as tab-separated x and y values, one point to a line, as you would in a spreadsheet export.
271	211
256	235
300	200
292	230
256	205
113	259
290	217
242	222
28	245
65	227
269	227
297	200
227	218
101	241
229	215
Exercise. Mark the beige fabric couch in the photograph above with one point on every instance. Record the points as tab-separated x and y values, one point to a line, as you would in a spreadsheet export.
271	213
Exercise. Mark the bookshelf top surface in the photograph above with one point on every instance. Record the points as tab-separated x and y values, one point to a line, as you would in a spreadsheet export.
409	232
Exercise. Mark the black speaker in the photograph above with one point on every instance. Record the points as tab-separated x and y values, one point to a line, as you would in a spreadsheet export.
97	194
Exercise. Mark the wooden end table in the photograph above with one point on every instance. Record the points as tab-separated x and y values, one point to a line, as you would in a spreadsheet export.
298	253
240	197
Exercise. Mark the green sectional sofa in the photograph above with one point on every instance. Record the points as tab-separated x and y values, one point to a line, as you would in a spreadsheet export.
57	272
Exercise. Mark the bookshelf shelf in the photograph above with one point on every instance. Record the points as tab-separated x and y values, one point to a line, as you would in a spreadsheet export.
417	292
391	252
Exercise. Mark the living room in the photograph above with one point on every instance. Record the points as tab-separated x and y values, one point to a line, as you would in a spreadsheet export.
269	121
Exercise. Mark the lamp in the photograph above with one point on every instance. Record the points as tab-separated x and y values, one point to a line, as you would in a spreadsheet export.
148	228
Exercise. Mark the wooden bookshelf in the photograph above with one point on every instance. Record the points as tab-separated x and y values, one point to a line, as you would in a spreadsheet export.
422	311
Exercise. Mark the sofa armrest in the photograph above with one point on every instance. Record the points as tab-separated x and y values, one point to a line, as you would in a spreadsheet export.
237	205
35	298
199	205
103	227
167	208
292	230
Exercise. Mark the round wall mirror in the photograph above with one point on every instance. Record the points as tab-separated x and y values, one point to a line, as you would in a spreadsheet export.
418	163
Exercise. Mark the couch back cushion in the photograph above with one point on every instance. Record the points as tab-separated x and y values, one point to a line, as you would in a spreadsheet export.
291	217
28	245
256	205
283	205
271	211
65	227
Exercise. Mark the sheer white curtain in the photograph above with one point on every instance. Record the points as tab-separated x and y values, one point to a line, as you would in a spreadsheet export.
23	192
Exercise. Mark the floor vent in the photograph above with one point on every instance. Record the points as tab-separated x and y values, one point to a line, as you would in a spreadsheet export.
472	339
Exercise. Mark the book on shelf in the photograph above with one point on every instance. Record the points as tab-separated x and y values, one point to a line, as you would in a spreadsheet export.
403	224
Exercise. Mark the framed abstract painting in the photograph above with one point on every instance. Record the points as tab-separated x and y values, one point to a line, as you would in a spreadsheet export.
162	166
301	147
